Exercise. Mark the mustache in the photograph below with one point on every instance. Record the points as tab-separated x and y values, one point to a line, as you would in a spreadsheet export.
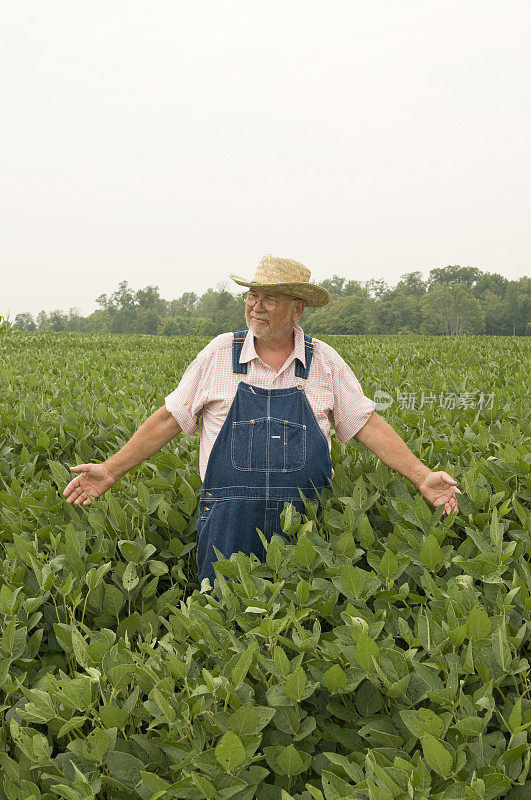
259	316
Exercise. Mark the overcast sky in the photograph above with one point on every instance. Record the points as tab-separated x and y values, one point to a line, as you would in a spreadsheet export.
169	143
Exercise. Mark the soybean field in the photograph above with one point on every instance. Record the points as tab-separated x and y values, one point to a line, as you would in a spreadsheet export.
383	652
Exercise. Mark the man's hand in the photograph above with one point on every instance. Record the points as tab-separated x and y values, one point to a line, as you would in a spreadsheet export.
439	488
94	480
384	441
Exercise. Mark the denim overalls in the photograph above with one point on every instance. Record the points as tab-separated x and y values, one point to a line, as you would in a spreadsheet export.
268	448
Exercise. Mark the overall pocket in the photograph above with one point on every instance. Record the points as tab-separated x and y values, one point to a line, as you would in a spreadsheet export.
268	444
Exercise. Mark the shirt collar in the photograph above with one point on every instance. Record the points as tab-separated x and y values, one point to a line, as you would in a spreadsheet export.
248	351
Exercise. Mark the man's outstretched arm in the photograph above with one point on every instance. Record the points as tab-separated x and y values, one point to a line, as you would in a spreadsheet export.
437	487
95	479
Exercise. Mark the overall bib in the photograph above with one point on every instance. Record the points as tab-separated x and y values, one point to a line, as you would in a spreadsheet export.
268	448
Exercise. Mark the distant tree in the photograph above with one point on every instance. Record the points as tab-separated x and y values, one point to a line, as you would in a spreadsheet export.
100	321
148	322
517	295
189	300
412	283
106	303
74	320
124	297
57	320
343	315
170	326
454	274
334	285
453	300
42	321
376	287
490	282
355	287
202	326
149	299
452	310
222	309
399	312
497	314
24	322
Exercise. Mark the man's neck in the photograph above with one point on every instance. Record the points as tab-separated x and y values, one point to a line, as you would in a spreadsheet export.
283	345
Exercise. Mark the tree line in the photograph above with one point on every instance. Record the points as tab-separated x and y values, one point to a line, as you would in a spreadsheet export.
453	300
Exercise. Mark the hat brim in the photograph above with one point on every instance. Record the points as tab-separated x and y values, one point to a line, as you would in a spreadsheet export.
315	296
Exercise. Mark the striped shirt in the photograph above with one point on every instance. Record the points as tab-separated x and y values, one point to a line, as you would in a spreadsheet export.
208	387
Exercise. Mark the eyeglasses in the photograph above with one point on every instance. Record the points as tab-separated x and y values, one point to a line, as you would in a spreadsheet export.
268	303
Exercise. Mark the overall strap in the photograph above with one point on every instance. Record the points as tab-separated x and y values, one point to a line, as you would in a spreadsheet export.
238	338
300	371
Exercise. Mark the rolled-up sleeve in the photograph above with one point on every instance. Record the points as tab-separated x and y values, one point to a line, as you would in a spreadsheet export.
186	402
352	408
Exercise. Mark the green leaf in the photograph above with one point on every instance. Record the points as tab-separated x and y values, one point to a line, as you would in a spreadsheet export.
186	498
496	530
41	708
515	717
290	761
248	719
368	699
470	726
388	565
334	678
113	717
353	580
60	474
130	550
204	785
113	600
242	665
436	755
124	767
158	568
423	721
296	684
366	653
80	648
130	577
304	552
478	623
430	553
230	752
365	532
77	693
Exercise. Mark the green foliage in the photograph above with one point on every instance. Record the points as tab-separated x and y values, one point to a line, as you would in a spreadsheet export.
453	300
381	653
5	325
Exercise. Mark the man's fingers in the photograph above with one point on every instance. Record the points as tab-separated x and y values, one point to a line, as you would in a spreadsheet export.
77	490
448	479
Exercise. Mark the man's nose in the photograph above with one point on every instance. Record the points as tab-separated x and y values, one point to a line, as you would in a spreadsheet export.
259	300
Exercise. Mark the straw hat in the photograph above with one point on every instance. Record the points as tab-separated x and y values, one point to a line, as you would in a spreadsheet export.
286	276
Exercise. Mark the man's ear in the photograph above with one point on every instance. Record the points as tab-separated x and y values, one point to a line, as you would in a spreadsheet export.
298	308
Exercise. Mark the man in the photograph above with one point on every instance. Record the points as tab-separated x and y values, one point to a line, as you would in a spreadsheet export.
267	397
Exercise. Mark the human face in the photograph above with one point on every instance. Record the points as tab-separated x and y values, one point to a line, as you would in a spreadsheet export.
274	324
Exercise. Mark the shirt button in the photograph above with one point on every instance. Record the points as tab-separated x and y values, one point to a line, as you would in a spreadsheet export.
252	422
286	422
207	494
